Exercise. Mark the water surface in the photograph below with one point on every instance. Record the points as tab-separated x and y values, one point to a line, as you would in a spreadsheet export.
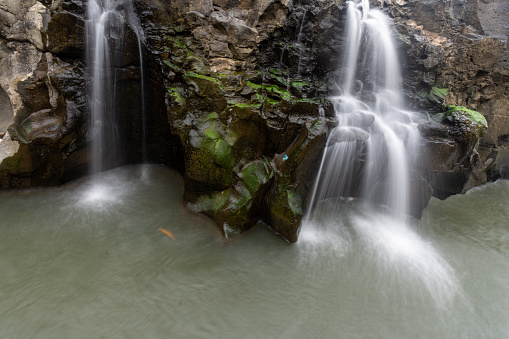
86	260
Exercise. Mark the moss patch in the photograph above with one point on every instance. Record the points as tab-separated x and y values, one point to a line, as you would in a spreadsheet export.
211	203
256	174
222	154
203	77
453	113
438	92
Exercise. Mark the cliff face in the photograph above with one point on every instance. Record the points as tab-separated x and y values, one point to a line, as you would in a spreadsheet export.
43	97
237	95
43	100
456	54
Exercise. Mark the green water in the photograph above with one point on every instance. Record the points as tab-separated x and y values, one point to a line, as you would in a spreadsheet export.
83	262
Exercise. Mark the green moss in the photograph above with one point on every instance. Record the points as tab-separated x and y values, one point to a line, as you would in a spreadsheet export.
244	105
256	174
212	202
295	201
439	92
212	116
272	101
299	84
222	154
453	113
254	86
180	42
211	133
174	68
175	93
277	92
203	77
279	76
243	199
436	94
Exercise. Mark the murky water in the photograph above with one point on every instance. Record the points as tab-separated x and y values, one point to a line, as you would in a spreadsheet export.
87	261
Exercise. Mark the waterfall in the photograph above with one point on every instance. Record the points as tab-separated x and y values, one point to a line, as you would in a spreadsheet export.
105	43
299	44
370	153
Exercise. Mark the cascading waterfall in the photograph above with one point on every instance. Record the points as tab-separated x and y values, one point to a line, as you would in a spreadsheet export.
299	44
105	32
105	39
370	155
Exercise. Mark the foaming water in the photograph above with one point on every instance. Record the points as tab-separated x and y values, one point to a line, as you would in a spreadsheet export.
101	194
75	271
390	250
370	154
401	252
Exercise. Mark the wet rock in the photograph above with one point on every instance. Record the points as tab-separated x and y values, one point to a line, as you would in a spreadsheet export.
229	148
295	169
451	149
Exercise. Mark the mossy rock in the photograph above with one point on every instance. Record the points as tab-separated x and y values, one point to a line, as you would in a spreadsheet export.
208	203
222	154
208	93
177	103
272	91
256	174
459	113
295	169
464	124
203	171
286	211
19	163
435	95
245	111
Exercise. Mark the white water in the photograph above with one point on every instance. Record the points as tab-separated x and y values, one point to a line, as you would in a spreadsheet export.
105	32
370	153
368	161
105	36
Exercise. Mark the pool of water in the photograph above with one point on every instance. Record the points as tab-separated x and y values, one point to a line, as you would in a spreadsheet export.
87	260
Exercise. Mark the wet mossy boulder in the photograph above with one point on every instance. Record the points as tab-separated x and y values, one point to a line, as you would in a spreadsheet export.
451	148
295	170
463	123
233	127
236	209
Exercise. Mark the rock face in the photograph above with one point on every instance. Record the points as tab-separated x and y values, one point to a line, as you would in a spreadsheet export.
251	131
43	101
42	95
237	97
456	53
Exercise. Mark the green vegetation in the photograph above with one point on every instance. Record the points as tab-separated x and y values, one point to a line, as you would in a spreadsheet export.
203	77
256	174
295	202
453	113
438	92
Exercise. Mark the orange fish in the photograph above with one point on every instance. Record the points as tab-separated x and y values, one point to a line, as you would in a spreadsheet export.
168	233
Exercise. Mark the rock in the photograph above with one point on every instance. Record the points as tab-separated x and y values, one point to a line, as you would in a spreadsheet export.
295	169
451	149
